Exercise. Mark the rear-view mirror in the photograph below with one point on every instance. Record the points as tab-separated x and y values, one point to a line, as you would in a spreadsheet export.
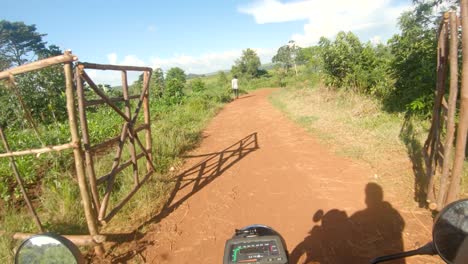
48	248
450	232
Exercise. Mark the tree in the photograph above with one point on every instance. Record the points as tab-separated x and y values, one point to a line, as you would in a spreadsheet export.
340	59
414	61
247	65
51	51
176	73
283	57
19	42
311	57
174	92
197	85
4	63
222	79
157	82
287	56
42	91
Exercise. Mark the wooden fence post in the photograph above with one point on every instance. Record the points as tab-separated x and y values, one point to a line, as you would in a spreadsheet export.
78	155
462	130
452	107
146	107
131	130
86	141
432	143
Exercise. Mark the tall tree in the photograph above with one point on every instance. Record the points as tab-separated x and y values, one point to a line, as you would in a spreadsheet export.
287	56
19	43
247	65
283	57
414	60
176	73
42	91
158	82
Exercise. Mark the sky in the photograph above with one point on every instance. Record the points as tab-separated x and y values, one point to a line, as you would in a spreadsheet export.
198	36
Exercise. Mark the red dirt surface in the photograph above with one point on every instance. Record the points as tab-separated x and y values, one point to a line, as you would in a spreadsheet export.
255	166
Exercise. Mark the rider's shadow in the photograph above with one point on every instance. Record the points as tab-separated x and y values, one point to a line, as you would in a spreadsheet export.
337	238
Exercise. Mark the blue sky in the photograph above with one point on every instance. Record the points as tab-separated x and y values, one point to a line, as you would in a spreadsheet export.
198	36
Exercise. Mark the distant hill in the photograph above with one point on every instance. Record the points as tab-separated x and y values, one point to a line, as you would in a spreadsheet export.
193	76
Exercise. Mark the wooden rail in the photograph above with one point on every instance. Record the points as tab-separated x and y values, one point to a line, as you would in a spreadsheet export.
37	65
84	152
113	67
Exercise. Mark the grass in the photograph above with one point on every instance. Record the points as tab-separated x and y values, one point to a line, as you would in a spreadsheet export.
354	126
175	130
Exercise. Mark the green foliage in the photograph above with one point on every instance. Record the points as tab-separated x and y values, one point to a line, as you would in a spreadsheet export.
43	94
4	63
157	83
176	129
247	65
311	58
281	75
414	63
349	64
41	91
174	92
197	85
340	57
222	79
176	73
19	42
287	56
283	57
45	253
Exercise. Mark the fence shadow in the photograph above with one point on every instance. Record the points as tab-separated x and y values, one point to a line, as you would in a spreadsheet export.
414	150
211	167
337	238
197	177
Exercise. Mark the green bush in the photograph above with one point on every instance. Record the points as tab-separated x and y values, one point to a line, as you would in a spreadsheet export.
197	85
174	92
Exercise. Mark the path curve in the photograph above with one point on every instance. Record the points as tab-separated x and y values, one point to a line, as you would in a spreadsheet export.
256	166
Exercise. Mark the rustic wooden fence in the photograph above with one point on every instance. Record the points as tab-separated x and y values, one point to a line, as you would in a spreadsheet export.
95	207
444	164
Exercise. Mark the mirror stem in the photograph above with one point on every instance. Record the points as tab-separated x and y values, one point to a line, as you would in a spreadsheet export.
427	249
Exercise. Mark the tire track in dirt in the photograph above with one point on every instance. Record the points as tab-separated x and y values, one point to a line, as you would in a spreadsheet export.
256	166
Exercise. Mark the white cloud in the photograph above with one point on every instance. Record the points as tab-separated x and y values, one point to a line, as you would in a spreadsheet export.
209	62
326	18
375	40
115	77
112	58
205	63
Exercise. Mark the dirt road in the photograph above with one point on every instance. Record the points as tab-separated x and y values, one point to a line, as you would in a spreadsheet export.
256	166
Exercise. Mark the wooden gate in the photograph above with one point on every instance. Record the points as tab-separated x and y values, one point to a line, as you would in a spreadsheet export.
444	149
129	133
95	200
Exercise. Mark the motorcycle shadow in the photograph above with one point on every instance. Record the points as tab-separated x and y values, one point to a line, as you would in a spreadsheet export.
339	238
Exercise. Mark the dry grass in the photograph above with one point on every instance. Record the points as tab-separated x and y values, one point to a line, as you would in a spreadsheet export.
353	126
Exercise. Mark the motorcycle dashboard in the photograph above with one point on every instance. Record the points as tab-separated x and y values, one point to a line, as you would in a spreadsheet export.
265	249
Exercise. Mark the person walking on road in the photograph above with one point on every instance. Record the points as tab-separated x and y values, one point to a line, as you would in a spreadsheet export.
235	86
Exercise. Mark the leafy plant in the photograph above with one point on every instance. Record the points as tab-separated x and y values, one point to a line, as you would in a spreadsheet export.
197	85
247	65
